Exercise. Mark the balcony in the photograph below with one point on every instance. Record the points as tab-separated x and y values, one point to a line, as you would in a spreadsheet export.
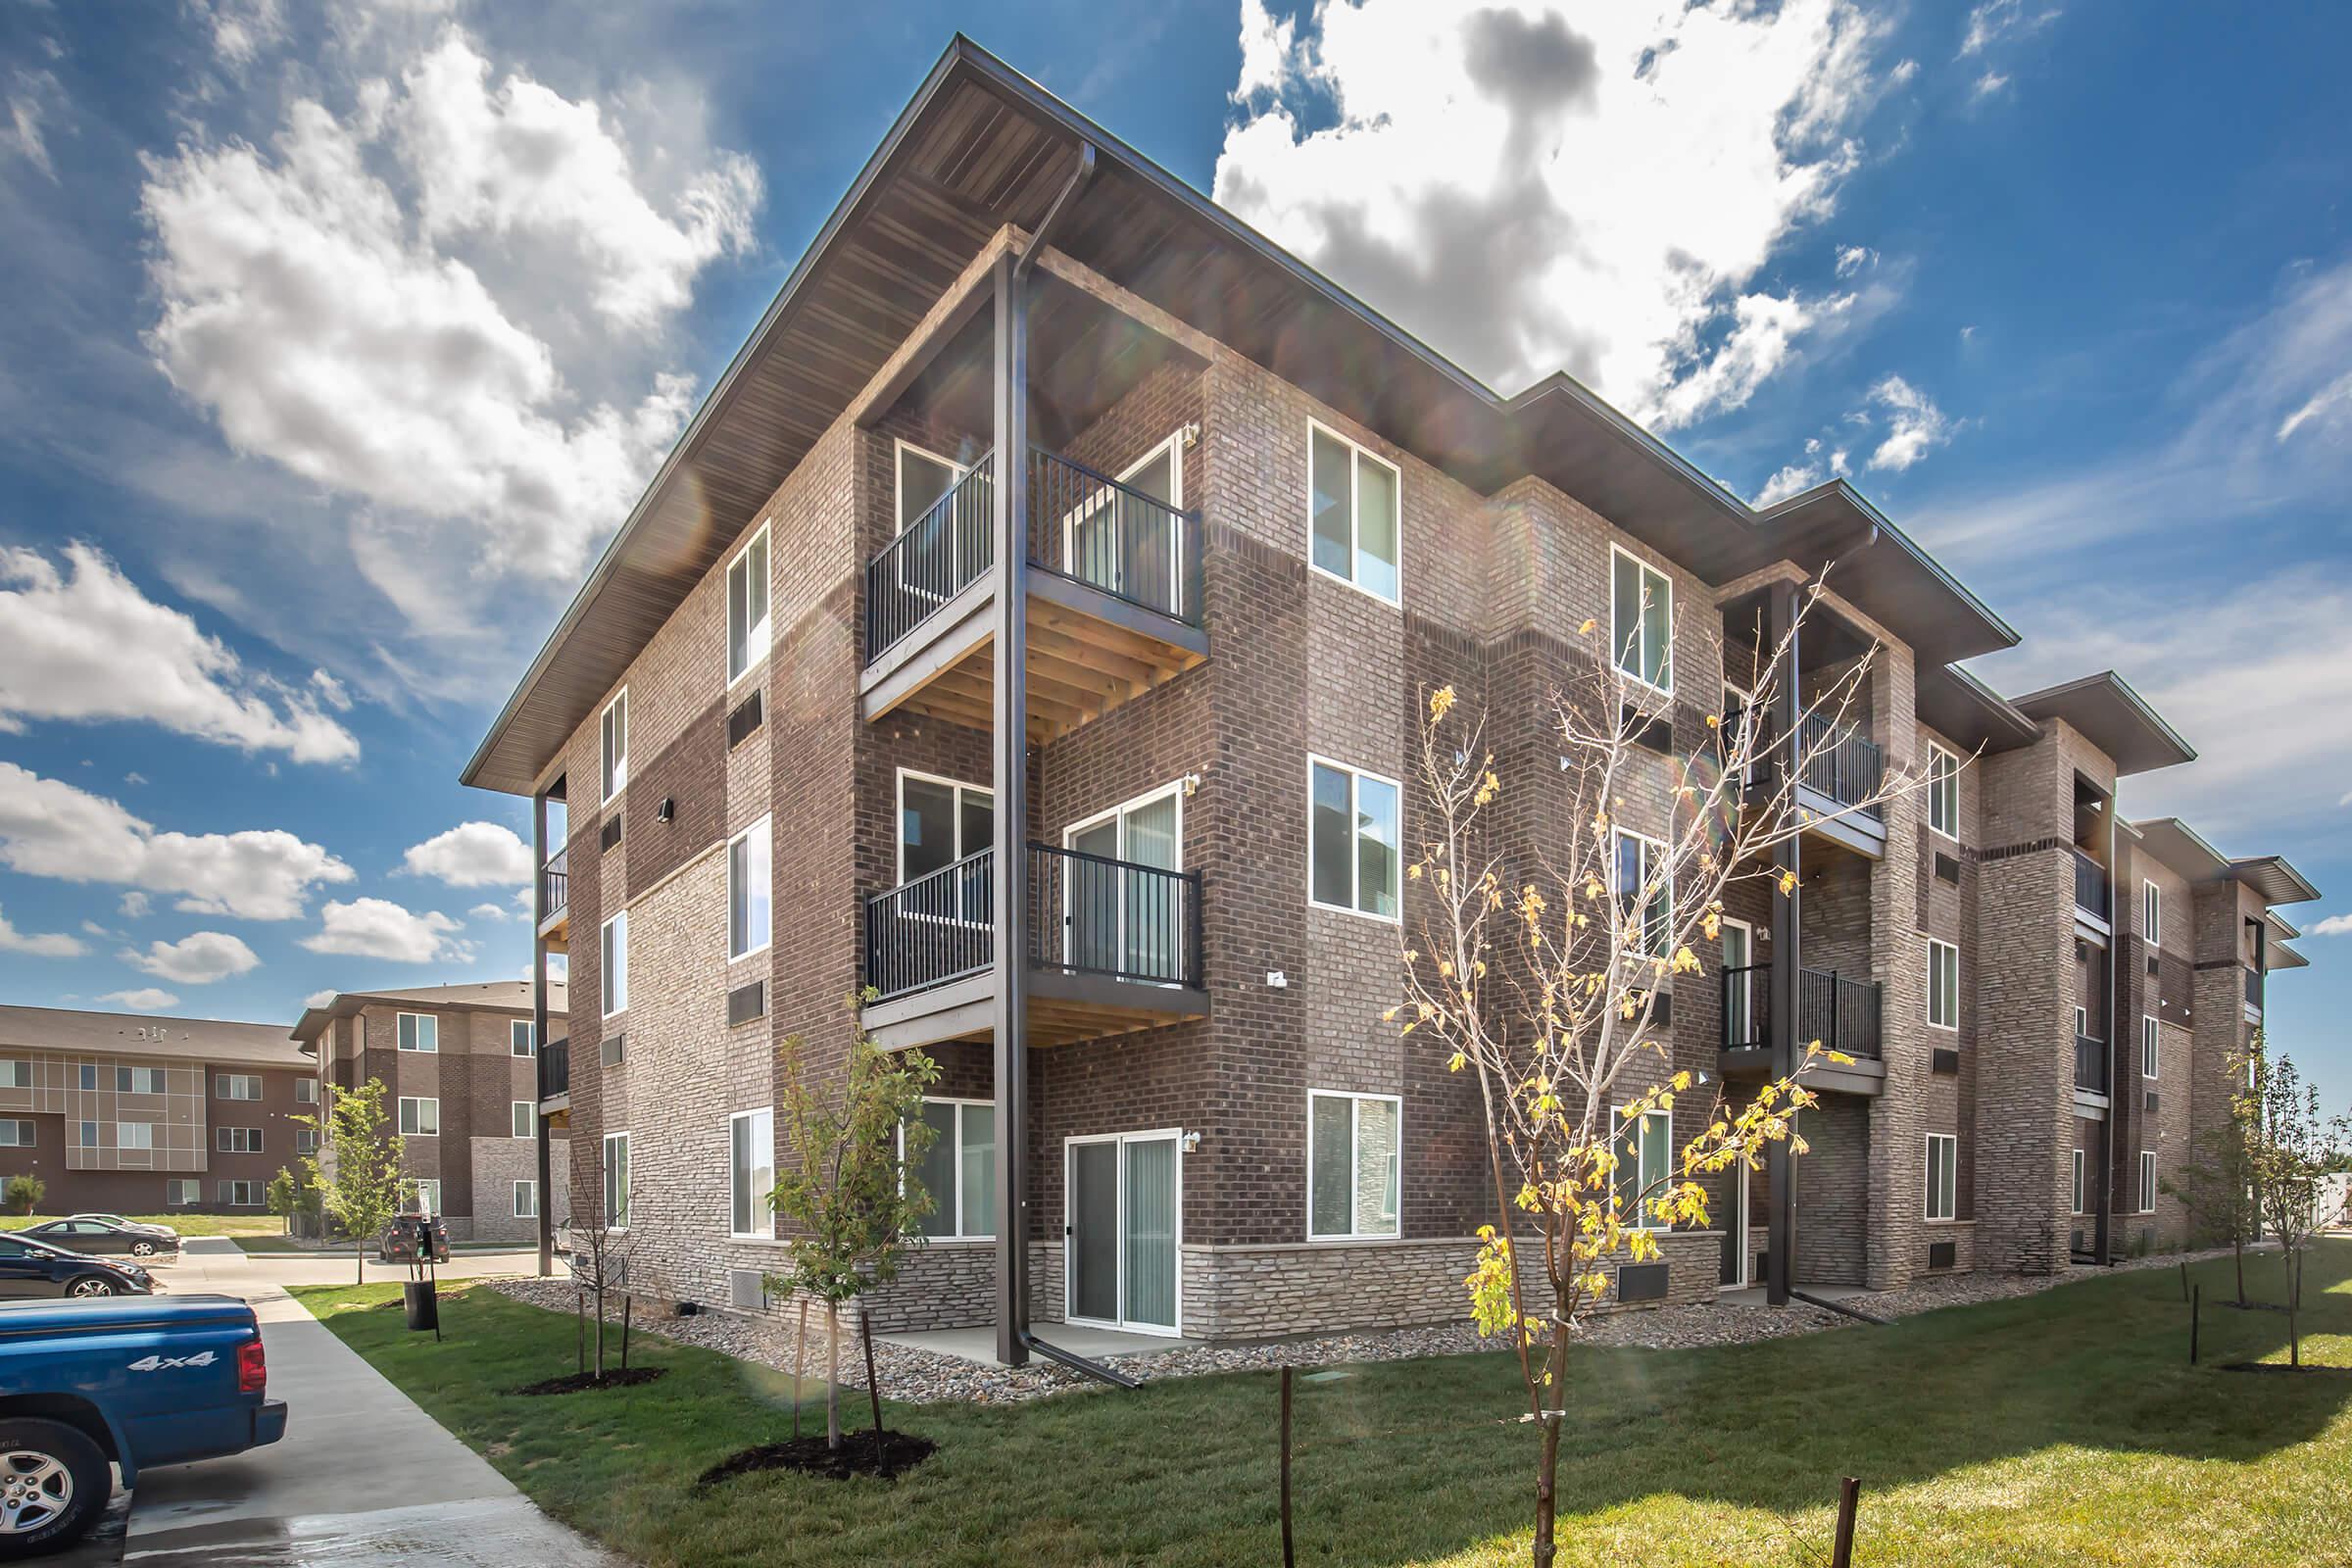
1843	771
2254	978
2090	1064
554	1069
2090	889
555	898
1843	1014
1114	946
1113	578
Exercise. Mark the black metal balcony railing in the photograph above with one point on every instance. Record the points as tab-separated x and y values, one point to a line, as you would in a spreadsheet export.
1843	1014
554	1068
1082	524
555	886
2090	1064
1087	915
2254	989
1839	762
2090	886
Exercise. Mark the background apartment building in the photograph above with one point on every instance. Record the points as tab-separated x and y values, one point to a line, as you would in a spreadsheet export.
461	1073
1089	766
132	1114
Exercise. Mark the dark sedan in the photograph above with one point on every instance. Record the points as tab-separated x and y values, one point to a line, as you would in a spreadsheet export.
29	1267
97	1236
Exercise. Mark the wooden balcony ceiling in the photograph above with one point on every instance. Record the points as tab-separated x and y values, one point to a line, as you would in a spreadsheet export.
1080	667
1064	1011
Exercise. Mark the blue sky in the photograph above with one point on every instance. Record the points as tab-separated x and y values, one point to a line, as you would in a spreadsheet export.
342	337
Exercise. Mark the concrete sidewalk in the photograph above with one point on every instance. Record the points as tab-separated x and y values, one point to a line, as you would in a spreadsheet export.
363	1476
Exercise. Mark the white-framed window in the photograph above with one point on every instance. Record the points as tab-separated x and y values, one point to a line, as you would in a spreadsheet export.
1944	792
527	1199
748	866
306	1091
959	1168
1354	513
1640	620
306	1140
181	1191
940	822
751	1172
1943	1176
616	1181
237	1140
423	1195
1740	967
2147	1181
420	1117
418	1031
241	1194
2151	914
522	1037
1355	840
2081	1022
747	606
2151	1056
922	478
89	1074
614	965
1644	1164
523	1119
16	1134
1640	860
15	1074
612	743
134	1135
2078	1165
236	1086
139	1080
1944	985
1354	1164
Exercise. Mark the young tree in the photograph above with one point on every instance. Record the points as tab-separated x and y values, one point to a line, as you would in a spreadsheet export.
24	1194
290	1197
357	1172
1541	973
2294	1147
2217	1185
846	1190
600	1237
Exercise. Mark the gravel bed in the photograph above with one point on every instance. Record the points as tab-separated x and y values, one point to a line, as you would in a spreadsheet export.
917	1375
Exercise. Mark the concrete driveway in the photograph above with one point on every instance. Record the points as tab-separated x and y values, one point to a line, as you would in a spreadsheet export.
363	1476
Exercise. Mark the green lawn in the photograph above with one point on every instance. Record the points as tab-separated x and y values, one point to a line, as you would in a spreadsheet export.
2060	1428
185	1224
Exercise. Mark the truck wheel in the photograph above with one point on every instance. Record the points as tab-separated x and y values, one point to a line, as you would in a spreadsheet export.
54	1484
92	1285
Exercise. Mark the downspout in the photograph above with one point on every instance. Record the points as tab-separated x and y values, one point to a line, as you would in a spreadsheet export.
1078	1363
2103	1239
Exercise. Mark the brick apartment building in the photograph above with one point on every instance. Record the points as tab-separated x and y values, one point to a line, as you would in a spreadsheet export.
131	1114
460	1068
797	736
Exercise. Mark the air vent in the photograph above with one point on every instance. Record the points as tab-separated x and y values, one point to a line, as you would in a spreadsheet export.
612	834
745	719
1661	1012
2151	1106
1947	869
1943	1255
615	1050
746	1002
1946	1060
2074	1242
2152	967
747	1290
1640	1282
1652	732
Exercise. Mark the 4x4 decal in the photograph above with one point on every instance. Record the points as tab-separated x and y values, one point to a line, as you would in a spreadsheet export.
172	1364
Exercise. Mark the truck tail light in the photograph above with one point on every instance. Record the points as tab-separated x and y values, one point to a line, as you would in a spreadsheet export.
253	1367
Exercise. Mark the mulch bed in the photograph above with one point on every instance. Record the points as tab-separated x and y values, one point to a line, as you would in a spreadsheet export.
579	1382
854	1456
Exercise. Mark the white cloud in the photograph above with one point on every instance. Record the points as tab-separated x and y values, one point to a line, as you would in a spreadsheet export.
49	828
1903	72
377	928
471	854
1597	191
86	645
1795	479
147	999
1990	82
195	960
242	29
39	944
319	998
135	905
2324	405
1995	19
2335	925
1916	426
1851	259
495	913
30	96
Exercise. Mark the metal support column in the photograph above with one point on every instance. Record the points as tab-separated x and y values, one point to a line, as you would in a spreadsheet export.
1787	952
2102	1242
1011	861
547	1234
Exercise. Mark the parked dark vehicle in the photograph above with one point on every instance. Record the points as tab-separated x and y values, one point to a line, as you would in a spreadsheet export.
29	1267
137	1383
413	1238
130	1224
91	1235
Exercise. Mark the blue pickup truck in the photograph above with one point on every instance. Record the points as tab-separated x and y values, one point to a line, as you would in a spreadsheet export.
135	1380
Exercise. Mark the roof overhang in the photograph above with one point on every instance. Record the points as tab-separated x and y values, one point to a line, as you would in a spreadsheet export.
980	147
2115	718
2271	877
2275	879
1965	710
2279	955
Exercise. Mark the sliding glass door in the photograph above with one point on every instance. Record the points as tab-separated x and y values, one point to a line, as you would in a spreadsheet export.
1123	1225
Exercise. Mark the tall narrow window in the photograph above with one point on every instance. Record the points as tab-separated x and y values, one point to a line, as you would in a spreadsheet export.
751	1172
526	1123
1943	1176
522	1037
616	1180
1640	620
1944	792
747	606
1354	838
1355	1155
959	1171
1644	1164
2150	1039
613	732
1641	861
748	866
2078	1164
2147	1181
1354	502
616	962
1944	985
527	1199
2151	914
420	1117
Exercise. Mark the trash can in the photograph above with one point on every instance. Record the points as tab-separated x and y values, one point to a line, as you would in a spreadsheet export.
425	1307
